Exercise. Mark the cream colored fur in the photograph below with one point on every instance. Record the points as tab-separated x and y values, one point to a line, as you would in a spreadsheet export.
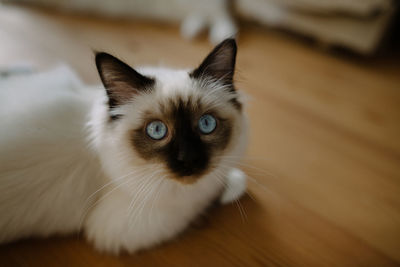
63	168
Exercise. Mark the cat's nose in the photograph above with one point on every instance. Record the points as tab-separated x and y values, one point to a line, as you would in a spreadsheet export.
186	163
181	156
187	157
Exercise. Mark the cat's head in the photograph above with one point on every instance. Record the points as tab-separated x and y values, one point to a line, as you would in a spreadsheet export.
182	123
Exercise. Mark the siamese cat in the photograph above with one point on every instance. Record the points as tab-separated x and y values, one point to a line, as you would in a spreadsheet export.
131	163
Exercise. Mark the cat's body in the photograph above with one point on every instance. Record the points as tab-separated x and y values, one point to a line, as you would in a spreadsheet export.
70	161
44	163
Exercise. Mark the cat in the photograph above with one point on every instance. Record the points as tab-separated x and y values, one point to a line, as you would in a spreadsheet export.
132	163
193	15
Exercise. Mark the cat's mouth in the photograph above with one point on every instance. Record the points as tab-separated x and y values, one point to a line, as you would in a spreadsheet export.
191	176
188	177
187	170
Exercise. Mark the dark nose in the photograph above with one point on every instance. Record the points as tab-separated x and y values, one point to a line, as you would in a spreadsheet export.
188	158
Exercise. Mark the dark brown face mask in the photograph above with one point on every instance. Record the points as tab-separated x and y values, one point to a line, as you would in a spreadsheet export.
186	152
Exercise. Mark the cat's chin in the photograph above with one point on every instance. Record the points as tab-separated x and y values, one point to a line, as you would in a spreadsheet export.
187	180
192	178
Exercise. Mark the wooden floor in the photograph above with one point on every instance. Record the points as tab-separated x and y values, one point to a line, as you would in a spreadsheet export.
324	152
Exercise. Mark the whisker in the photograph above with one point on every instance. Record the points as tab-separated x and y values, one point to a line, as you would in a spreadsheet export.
142	190
155	199
147	193
243	208
152	200
252	179
262	171
241	157
145	185
221	177
106	184
115	180
86	208
241	211
98	201
250	195
221	181
140	184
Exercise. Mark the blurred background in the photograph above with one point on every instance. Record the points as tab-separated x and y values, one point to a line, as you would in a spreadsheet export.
323	84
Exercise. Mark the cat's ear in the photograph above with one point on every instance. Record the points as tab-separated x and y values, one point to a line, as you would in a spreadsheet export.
219	65
121	81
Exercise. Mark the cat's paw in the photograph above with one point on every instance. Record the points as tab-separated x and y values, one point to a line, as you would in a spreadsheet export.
235	186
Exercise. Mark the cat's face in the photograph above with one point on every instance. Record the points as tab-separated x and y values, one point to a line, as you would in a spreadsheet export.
185	122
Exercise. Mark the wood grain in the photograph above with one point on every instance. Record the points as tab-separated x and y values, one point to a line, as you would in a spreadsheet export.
324	153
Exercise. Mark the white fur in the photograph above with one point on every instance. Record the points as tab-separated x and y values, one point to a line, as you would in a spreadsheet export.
236	186
59	173
43	155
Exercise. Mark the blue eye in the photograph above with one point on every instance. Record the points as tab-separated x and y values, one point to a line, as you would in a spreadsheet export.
207	124
156	130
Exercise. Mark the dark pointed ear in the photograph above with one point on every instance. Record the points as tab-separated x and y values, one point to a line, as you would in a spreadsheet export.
219	64
121	81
